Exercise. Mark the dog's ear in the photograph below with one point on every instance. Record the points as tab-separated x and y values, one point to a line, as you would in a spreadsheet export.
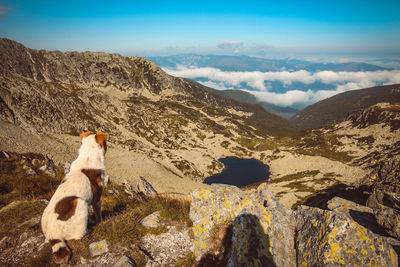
84	135
101	139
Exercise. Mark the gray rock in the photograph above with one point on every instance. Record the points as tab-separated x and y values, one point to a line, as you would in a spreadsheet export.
340	204
263	233
212	207
143	186
98	248
43	168
140	189
67	166
152	220
330	238
386	207
28	170
125	261
257	217
165	249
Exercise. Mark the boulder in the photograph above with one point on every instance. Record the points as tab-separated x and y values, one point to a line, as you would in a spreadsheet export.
263	229
341	204
152	220
125	261
140	189
98	248
250	244
333	238
386	207
211	207
144	187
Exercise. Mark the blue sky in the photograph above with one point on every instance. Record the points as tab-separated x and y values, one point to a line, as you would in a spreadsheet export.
261	28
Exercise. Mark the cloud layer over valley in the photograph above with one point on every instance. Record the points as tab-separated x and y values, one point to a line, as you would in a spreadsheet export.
259	83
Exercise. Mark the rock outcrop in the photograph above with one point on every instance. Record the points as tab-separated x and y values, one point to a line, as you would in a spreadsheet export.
140	189
263	229
386	207
331	238
264	233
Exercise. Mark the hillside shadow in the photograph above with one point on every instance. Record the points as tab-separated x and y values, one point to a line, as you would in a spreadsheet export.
257	242
358	195
240	172
369	221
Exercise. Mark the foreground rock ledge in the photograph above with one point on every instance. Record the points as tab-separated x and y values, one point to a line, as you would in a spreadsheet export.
263	229
265	233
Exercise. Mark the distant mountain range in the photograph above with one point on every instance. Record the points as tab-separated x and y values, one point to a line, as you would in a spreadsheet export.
338	107
245	63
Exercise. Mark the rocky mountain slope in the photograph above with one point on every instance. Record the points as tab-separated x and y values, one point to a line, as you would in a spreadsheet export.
336	108
165	122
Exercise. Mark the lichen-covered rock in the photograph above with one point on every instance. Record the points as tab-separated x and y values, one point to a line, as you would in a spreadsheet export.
140	189
250	244
125	261
216	205
386	207
341	204
275	224
152	220
98	248
329	238
263	229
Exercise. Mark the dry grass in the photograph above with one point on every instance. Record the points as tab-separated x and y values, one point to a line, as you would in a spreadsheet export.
13	218
16	184
122	213
188	261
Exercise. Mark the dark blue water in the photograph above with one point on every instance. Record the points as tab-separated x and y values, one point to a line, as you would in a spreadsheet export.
240	172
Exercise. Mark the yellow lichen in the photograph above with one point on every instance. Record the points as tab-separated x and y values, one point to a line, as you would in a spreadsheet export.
393	256
363	251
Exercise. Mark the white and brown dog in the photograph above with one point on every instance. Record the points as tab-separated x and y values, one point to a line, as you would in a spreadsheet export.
66	216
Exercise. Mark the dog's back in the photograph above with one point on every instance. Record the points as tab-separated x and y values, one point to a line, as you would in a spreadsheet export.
67	213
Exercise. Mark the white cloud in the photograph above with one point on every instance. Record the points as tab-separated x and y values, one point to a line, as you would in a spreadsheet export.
344	81
257	79
286	99
215	85
3	11
230	45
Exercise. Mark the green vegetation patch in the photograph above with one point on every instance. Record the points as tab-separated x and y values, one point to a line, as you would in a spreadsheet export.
257	144
295	176
327	153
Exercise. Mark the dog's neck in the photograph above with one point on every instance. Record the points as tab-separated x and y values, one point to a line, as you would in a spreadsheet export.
89	158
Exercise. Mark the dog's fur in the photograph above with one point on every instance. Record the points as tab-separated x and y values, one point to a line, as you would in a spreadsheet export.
66	216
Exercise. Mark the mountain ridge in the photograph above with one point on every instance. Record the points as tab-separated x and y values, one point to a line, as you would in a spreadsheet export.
336	108
129	73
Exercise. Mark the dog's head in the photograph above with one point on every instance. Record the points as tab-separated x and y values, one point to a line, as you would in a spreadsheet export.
98	140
